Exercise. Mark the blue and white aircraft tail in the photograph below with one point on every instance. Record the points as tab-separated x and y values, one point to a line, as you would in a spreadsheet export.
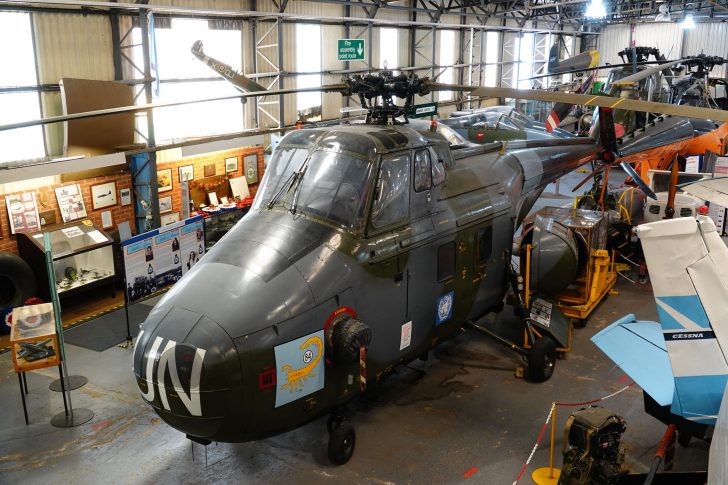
680	363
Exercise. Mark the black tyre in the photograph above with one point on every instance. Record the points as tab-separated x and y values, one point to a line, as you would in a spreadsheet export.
17	281
542	360
684	438
341	443
578	322
333	422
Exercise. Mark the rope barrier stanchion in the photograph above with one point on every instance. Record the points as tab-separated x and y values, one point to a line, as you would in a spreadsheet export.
550	475
535	446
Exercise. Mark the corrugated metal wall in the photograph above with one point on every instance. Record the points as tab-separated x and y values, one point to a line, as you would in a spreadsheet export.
673	42
710	39
78	46
73	46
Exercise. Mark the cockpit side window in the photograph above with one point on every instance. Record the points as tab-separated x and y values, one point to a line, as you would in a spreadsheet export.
423	171
391	202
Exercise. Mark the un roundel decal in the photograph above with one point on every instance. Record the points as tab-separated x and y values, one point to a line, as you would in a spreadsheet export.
444	307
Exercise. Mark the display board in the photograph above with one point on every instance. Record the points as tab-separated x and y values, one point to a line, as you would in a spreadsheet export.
158	258
22	212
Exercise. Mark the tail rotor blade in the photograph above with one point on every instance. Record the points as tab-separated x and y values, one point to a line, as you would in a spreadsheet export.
638	180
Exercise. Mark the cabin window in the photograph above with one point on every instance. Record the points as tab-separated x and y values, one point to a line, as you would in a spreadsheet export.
485	245
445	261
438	172
391	204
423	171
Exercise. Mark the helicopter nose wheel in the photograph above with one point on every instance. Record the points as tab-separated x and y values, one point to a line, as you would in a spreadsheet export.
342	438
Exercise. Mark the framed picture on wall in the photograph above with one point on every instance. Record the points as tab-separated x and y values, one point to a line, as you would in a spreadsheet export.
125	196
251	168
22	212
70	201
165	204
164	180
103	195
231	164
106	220
169	218
210	170
186	172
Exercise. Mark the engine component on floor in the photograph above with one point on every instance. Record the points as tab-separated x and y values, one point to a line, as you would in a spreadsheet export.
555	259
592	453
585	262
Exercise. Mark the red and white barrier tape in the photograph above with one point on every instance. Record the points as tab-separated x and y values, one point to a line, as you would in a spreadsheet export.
548	419
538	441
594	401
362	368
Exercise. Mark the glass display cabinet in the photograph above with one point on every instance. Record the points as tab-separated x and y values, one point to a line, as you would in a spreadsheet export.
82	258
33	337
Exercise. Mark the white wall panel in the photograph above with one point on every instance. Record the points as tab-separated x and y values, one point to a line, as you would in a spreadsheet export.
710	39
613	39
666	36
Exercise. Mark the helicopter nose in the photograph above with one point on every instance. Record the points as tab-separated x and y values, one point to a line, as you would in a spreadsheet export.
187	368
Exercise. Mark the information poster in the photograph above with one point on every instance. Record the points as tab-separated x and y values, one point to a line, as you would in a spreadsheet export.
22	212
192	243
167	268
159	258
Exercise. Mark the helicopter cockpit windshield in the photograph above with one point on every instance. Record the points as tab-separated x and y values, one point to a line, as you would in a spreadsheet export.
330	185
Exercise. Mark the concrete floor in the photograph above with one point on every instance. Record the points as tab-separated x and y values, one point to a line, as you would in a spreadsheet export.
462	416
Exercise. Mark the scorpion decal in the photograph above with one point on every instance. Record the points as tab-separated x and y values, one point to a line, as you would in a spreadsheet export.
295	378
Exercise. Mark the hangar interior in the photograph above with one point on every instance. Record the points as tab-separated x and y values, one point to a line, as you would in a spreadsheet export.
369	241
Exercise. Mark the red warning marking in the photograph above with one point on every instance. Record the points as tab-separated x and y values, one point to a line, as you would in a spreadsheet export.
102	424
470	472
623	378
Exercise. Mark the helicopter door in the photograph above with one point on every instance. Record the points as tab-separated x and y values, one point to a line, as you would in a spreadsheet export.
424	285
382	298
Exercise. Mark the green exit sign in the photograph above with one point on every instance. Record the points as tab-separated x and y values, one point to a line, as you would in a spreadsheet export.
351	50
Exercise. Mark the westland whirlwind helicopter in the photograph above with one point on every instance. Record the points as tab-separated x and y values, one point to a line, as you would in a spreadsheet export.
366	247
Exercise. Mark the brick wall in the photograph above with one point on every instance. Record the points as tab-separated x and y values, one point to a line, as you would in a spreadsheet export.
218	158
119	213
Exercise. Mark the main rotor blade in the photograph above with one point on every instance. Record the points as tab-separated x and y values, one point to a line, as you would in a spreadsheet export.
585	60
144	107
234	77
639	76
588	100
587	69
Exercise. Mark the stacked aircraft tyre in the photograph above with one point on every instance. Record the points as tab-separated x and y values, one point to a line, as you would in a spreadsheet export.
17	281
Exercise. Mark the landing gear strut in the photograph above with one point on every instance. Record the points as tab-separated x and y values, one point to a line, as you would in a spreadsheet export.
342	437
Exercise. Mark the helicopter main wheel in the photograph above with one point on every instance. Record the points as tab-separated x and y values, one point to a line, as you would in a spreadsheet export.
542	359
683	438
342	440
579	322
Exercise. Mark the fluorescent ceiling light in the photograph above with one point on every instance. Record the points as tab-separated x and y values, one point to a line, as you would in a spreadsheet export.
596	10
688	22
